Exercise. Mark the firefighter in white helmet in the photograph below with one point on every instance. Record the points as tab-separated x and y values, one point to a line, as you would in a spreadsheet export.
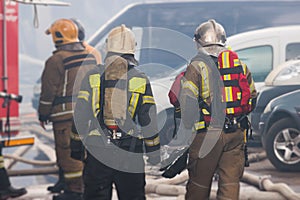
202	89
111	106
60	82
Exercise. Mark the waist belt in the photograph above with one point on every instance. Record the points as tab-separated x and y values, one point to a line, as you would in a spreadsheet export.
61	100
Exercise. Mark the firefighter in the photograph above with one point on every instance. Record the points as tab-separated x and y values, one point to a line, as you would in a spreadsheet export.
108	124
60	184
60	82
225	155
6	189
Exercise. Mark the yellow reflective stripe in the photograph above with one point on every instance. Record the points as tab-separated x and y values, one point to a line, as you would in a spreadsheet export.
83	95
153	142
1	162
230	110
199	125
205	80
228	94
138	85
94	80
133	103
71	175
94	132
239	95
96	101
75	136
236	62
225	60
148	99
244	68
205	112
227	77
250	102
191	86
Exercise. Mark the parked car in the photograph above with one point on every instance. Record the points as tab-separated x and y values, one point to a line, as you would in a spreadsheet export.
280	128
285	78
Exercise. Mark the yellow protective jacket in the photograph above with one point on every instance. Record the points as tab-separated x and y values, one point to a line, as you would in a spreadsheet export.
199	84
61	80
141	108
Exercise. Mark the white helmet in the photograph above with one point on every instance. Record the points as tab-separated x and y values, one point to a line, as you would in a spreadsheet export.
121	40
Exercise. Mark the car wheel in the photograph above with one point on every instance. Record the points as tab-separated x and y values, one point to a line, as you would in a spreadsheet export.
283	145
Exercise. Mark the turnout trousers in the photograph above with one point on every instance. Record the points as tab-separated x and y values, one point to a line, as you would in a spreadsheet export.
72	169
224	156
99	178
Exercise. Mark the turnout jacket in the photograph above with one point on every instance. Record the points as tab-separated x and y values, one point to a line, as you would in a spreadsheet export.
199	83
141	108
61	81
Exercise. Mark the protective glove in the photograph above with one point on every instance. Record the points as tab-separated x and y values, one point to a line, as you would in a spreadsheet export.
77	150
154	157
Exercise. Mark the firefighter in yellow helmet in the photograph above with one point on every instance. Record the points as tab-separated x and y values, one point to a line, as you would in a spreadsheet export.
60	82
115	116
214	148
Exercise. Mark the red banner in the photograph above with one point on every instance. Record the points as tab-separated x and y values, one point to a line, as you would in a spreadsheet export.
9	68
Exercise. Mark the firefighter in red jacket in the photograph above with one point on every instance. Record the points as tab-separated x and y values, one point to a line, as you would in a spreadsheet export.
61	79
213	149
115	116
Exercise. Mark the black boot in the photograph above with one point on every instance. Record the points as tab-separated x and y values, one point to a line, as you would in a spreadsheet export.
68	195
6	190
59	185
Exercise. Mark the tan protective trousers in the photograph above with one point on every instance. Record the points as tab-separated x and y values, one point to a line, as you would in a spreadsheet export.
224	155
72	168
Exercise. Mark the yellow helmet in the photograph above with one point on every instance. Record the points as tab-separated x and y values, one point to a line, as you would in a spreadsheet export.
63	31
121	40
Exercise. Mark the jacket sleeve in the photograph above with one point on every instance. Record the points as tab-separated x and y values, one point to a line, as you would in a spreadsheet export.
253	90
49	85
191	90
147	118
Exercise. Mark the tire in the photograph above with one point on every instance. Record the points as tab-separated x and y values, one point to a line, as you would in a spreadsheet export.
282	146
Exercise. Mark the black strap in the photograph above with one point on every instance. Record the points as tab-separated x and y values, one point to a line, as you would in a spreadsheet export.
232	70
121	84
80	56
80	63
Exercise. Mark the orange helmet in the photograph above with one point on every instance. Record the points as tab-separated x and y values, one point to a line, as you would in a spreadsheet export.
63	31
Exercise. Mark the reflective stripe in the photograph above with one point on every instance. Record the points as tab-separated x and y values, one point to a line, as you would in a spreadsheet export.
46	102
227	77
138	85
228	94
96	101
229	110
71	175
239	95
83	95
62	113
133	103
1	162
75	136
191	86
151	143
94	80
236	62
64	92
199	125
225	60
205	80
205	112
148	99
244	68
94	132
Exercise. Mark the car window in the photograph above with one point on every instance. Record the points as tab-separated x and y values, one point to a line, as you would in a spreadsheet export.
292	51
289	75
259	60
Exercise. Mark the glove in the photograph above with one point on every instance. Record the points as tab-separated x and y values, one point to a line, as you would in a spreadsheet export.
77	150
154	157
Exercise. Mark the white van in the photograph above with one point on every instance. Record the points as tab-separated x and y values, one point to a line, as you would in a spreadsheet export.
164	33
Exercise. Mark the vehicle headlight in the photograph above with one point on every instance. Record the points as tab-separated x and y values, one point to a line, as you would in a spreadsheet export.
267	108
